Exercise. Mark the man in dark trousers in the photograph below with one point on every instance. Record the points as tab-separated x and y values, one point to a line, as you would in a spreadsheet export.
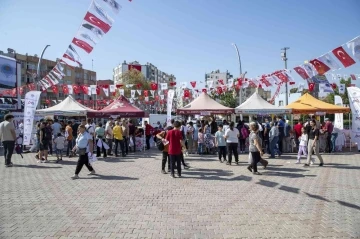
176	145
148	133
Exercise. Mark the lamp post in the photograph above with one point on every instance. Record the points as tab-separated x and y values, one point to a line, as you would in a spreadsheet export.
239	59
38	77
284	58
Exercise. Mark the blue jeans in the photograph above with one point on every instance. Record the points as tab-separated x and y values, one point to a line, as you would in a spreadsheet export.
273	147
200	148
333	139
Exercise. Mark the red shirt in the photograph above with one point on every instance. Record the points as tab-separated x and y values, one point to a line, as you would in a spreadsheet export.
329	127
297	129
174	137
148	129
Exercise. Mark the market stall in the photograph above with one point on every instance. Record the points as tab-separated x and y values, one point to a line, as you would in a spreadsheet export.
120	107
204	105
68	107
307	104
256	105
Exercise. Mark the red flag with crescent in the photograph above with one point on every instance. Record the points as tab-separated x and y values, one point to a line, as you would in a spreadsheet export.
301	72
193	84
311	86
321	67
91	18
343	57
204	90
82	44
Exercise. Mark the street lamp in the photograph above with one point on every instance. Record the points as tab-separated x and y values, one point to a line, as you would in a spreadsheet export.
38	71
284	58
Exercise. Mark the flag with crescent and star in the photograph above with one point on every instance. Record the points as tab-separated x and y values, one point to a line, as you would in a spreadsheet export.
343	57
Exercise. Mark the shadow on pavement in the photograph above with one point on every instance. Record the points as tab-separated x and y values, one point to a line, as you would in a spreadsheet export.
317	197
283	174
346	204
270	167
117	160
109	177
267	183
289	189
35	166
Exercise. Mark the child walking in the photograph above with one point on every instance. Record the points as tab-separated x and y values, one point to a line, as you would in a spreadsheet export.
60	145
302	145
200	141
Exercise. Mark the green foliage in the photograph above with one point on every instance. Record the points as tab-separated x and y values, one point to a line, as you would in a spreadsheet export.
227	99
330	97
134	77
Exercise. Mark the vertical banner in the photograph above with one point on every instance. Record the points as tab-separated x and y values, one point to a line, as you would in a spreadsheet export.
339	118
170	97
354	100
31	102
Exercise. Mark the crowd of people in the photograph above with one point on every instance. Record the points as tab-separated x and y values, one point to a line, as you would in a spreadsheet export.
120	136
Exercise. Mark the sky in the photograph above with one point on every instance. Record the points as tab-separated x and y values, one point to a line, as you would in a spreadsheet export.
188	38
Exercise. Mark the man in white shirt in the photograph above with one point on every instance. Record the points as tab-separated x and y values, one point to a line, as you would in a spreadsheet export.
8	137
90	128
109	136
56	128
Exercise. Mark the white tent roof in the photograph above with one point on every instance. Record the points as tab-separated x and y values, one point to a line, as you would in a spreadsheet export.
257	105
68	107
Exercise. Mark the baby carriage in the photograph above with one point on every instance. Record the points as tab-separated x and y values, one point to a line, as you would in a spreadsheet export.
18	145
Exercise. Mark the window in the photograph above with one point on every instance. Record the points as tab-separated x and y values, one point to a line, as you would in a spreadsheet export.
78	75
22	79
31	66
216	77
281	103
68	72
85	76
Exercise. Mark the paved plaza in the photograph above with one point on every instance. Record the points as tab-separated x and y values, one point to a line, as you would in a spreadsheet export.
130	198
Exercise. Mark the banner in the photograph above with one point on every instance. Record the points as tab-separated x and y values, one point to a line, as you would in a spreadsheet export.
31	102
170	97
7	72
339	118
354	100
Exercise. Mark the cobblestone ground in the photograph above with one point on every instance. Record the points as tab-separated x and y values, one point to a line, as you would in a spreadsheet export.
130	198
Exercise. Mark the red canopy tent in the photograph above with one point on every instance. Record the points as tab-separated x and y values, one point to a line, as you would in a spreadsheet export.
120	107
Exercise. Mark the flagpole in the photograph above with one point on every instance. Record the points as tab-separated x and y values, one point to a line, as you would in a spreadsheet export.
38	71
284	58
92	68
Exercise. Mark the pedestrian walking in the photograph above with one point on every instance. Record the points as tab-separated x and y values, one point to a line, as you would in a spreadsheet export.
176	145
100	133
69	137
313	144
302	145
232	138
165	153
109	136
119	139
255	148
200	141
8	137
84	148
59	142
45	137
220	143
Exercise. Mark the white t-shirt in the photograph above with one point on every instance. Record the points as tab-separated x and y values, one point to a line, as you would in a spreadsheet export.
232	135
60	142
109	132
303	140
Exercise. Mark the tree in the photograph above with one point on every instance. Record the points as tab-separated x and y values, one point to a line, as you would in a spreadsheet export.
330	98
133	77
227	99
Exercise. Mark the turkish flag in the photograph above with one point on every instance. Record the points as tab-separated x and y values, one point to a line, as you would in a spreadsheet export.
204	90
219	90
54	89
31	86
221	81
320	66
97	90
353	77
85	89
134	67
91	18
333	85
193	84
153	86
345	59
146	93
76	89
311	86
292	83
82	44
47	101
65	89
186	93
282	77
302	72
118	86
138	86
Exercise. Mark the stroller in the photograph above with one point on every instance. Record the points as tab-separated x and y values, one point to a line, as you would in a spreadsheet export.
18	145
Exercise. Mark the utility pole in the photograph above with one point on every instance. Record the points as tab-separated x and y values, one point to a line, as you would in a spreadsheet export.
239	59
284	58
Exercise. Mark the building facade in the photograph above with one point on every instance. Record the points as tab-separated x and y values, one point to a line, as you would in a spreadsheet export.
73	76
215	76
150	72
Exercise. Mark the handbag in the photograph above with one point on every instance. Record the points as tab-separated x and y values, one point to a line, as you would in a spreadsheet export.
81	151
160	145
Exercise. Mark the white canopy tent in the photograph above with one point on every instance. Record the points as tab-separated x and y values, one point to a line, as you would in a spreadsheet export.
256	105
68	107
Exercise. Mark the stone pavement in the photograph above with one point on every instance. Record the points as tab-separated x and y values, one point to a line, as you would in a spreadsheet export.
130	198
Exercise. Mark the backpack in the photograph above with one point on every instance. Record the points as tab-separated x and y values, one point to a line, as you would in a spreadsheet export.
47	133
244	132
